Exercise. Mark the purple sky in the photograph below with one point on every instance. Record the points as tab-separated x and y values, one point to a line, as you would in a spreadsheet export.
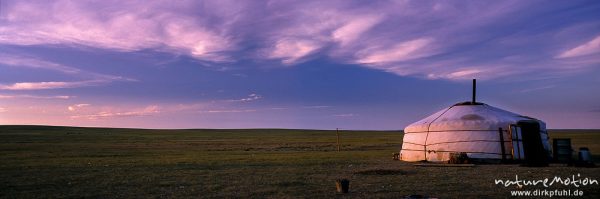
294	64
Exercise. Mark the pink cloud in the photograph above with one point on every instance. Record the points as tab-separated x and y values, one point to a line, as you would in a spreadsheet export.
290	51
588	48
46	85
76	107
36	97
123	26
458	74
106	114
230	111
403	51
353	30
383	35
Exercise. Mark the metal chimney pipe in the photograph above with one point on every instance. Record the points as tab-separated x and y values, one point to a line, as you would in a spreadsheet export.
474	90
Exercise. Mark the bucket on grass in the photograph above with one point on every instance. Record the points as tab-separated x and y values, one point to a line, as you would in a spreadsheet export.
585	155
585	158
342	185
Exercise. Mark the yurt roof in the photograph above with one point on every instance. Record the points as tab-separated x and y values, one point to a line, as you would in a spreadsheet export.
467	116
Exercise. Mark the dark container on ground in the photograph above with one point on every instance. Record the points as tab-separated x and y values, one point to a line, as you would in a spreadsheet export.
562	150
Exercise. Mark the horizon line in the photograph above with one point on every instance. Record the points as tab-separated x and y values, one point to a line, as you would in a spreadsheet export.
261	128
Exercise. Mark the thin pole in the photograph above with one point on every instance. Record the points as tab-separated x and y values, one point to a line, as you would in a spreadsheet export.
474	89
337	132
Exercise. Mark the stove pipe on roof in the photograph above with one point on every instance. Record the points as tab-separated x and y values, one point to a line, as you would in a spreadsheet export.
474	89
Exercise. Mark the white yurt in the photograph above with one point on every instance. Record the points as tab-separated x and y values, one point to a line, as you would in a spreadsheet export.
482	132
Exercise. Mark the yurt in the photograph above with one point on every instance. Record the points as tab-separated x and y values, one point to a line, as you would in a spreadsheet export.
483	132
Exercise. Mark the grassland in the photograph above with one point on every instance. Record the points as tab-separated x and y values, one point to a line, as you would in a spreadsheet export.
51	162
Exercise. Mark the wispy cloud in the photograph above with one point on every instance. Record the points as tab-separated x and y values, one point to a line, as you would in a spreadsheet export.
148	111
76	107
459	74
316	107
400	52
22	61
2	110
290	51
229	111
537	88
46	85
251	97
31	62
278	108
36	97
354	28
404	38
590	47
345	115
185	107
123	26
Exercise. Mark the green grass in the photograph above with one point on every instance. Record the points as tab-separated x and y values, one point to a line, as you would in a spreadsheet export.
42	162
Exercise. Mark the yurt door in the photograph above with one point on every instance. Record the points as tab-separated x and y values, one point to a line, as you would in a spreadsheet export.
518	152
533	148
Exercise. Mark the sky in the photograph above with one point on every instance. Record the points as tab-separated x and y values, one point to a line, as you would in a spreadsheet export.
377	65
